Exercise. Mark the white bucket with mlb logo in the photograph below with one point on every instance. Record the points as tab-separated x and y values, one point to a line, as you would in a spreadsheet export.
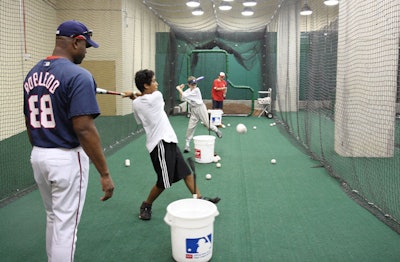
215	116
192	229
204	148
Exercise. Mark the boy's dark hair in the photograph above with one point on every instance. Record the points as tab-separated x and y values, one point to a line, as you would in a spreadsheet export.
143	77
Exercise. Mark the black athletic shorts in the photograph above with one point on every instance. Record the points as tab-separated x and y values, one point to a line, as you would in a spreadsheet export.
169	164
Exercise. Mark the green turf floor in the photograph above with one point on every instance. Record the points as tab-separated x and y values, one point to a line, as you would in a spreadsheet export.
290	211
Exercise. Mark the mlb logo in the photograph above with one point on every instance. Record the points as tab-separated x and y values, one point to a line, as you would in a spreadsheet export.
216	120
197	153
216	117
199	246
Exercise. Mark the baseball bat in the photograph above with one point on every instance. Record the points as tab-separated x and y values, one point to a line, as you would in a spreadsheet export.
191	164
199	78
108	92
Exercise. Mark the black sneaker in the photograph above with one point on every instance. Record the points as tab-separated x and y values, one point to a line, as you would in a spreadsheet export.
213	200
186	150
145	211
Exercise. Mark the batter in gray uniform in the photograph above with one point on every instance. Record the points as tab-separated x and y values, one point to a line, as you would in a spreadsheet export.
198	112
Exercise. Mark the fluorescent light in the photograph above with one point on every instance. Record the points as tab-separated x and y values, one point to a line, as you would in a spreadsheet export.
331	2
225	6
247	11
249	3
193	3
198	11
306	10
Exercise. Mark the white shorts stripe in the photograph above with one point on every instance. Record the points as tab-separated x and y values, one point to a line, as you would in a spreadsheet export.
163	164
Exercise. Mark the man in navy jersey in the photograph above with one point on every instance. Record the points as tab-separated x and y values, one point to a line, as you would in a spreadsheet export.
60	106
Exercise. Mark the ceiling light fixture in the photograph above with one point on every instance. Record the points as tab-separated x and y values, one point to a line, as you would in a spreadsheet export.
198	11
306	10
225	6
331	2
247	11
249	3
193	3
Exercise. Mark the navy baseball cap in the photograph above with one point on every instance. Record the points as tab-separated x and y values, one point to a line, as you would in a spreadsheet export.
73	28
193	81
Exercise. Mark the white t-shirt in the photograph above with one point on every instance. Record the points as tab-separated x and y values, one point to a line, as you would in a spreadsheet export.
193	97
149	112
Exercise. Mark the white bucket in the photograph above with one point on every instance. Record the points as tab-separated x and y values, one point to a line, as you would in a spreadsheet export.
215	116
192	229
204	148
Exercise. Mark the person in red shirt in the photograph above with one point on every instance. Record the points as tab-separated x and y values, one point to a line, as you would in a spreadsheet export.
218	92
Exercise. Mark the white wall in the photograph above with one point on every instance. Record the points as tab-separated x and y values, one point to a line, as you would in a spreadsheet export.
126	31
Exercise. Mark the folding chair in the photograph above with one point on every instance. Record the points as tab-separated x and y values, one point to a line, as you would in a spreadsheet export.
264	100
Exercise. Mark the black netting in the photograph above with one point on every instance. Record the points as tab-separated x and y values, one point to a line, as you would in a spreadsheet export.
242	56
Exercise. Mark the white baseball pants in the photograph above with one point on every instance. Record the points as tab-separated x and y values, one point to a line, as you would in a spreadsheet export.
198	113
62	178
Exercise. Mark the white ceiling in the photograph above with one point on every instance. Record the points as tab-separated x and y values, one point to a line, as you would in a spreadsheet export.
177	15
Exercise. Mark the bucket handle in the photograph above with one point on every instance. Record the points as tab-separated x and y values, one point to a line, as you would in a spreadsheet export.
168	220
